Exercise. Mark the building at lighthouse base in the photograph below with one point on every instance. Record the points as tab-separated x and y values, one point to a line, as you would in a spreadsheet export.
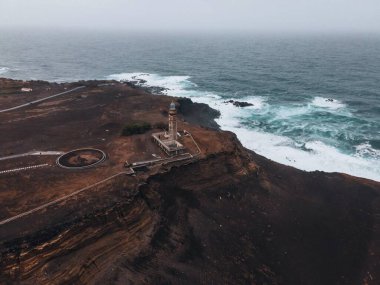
169	146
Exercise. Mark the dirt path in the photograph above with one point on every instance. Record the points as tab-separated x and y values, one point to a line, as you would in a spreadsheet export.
42	99
3	222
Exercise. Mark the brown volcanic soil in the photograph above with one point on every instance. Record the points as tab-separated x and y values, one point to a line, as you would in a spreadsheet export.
230	217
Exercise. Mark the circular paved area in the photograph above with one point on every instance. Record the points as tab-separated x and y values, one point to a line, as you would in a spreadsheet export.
81	158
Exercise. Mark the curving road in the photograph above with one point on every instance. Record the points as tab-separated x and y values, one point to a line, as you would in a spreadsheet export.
42	99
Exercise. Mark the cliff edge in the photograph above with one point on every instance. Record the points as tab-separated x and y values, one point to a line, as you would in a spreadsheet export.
228	216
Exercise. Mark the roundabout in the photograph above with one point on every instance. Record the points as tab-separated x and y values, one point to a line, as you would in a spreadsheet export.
81	158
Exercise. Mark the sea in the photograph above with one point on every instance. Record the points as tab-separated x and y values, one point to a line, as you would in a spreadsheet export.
315	98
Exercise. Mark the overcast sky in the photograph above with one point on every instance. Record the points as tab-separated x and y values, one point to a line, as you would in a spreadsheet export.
189	15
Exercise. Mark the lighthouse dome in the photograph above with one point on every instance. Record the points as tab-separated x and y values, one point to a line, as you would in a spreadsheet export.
172	106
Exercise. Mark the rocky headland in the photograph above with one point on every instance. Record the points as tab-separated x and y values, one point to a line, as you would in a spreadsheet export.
230	216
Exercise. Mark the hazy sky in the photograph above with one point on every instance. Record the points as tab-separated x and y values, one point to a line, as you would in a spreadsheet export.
181	15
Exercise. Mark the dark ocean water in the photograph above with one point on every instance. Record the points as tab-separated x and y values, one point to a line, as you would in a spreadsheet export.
289	80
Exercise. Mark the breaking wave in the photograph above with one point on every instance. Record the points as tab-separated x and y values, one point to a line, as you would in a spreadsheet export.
307	154
328	103
366	150
3	70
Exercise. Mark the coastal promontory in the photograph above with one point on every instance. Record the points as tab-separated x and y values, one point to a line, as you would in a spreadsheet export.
89	197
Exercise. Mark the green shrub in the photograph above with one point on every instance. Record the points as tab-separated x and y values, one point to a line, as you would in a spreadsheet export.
161	125
136	129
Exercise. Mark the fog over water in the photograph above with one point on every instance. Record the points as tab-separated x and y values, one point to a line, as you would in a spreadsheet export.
197	15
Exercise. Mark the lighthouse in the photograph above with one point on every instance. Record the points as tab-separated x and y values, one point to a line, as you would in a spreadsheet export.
168	140
172	122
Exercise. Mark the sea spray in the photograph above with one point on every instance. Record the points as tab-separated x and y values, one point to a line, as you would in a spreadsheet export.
3	70
307	153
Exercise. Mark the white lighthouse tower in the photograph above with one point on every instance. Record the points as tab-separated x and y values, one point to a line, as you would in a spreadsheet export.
172	122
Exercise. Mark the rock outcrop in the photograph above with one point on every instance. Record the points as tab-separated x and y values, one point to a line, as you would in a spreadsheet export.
240	104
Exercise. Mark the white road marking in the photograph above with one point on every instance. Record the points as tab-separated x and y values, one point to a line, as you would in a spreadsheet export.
36	153
24	168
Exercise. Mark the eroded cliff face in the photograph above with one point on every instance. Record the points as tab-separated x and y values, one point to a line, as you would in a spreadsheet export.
75	241
228	216
232	217
242	219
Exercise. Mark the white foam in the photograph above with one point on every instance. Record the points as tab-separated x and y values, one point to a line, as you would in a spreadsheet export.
283	112
311	156
328	103
366	150
176	85
3	70
317	156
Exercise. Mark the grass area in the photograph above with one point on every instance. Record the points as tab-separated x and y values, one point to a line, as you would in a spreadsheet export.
161	126
136	129
141	128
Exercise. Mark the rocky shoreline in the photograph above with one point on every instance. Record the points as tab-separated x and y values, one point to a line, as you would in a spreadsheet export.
230	217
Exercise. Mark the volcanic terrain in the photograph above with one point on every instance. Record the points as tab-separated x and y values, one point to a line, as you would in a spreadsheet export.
224	216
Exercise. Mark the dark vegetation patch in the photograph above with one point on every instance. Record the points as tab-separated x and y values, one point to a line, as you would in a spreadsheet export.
161	126
136	129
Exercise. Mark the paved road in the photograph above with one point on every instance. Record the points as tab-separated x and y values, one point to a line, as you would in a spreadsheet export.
162	160
42	99
199	149
6	221
178	158
36	153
